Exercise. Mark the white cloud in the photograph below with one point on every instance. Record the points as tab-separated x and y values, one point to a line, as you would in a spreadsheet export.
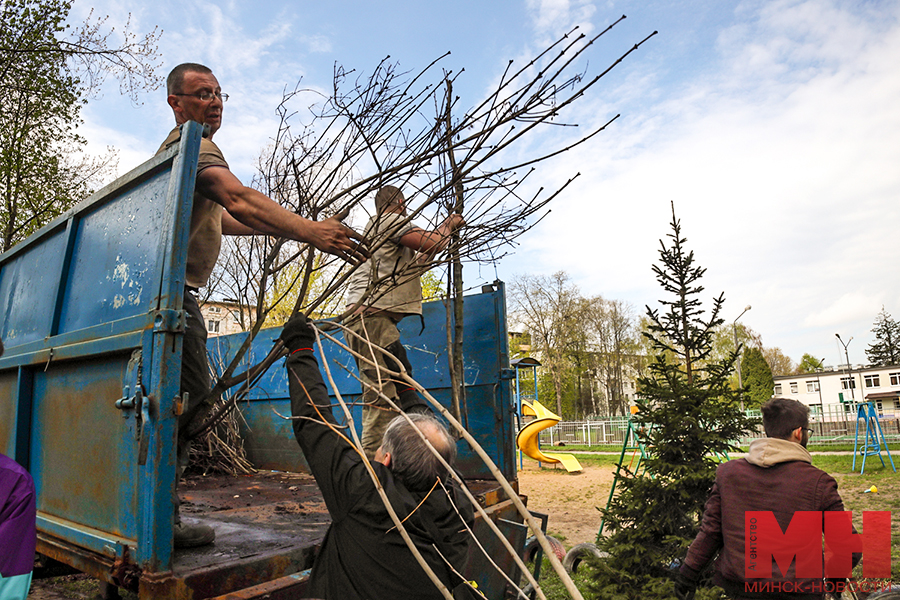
556	17
776	136
844	309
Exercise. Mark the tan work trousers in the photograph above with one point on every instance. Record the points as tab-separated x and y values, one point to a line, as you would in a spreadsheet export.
373	333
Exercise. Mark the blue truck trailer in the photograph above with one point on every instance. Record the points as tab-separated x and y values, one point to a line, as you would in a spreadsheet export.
92	322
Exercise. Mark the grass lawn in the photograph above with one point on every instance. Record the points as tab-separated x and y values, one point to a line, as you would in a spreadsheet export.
851	486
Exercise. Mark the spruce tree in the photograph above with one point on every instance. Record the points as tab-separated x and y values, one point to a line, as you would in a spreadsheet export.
689	418
757	377
885	350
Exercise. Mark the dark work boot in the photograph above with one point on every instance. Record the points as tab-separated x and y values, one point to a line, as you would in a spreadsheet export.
188	536
191	536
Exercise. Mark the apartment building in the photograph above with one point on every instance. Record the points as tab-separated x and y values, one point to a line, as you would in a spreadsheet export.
833	386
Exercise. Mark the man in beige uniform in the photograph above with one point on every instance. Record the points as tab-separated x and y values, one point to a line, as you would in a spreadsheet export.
223	205
383	291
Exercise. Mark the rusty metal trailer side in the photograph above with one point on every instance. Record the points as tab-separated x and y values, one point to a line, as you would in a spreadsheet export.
91	318
91	315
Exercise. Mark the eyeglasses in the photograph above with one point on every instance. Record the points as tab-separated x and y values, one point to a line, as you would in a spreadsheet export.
809	432
207	96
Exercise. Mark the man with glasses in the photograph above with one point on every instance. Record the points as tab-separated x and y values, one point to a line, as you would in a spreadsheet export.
777	475
224	206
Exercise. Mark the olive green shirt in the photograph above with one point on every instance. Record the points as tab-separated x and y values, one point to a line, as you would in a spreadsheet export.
389	280
205	239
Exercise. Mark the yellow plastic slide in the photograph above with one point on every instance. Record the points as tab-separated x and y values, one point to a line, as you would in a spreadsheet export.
527	439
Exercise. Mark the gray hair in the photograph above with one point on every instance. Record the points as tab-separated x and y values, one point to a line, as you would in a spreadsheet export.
411	459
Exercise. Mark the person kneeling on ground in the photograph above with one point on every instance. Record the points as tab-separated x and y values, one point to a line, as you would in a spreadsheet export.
363	554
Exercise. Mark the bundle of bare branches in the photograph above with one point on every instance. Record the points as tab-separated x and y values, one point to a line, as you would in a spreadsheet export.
394	128
221	448
333	153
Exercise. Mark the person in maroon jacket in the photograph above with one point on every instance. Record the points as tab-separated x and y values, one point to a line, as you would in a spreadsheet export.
777	475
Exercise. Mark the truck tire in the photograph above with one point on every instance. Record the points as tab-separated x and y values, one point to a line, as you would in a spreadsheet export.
532	545
578	553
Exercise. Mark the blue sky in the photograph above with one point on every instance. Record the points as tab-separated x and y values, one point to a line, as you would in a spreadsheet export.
774	126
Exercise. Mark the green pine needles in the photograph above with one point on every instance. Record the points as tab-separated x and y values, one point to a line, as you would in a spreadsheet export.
689	419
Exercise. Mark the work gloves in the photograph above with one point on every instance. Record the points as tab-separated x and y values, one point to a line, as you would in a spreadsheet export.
686	583
297	334
411	402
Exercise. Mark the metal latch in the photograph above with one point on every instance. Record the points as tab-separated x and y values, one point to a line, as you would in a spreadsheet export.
127	401
181	403
141	405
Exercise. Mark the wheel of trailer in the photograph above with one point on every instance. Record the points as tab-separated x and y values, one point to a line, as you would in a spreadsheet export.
532	545
578	553
891	594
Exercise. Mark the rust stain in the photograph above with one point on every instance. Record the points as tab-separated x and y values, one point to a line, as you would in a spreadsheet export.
79	432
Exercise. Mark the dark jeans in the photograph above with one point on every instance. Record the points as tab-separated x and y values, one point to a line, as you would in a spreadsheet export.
195	377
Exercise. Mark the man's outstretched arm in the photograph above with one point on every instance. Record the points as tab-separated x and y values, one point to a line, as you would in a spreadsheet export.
257	213
332	459
430	243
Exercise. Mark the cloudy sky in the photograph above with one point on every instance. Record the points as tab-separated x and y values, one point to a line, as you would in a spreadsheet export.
773	126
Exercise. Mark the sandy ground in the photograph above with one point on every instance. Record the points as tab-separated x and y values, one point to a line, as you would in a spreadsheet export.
571	499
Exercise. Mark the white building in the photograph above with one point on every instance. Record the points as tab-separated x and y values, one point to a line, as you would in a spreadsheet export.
835	386
223	318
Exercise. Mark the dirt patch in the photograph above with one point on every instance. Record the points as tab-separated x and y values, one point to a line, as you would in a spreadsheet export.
70	587
571	500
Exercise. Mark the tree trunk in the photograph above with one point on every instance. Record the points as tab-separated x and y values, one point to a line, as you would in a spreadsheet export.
455	291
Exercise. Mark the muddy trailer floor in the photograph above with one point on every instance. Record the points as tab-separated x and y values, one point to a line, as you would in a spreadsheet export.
267	525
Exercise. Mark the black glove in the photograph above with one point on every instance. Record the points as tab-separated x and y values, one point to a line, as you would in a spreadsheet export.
298	334
410	402
686	583
684	589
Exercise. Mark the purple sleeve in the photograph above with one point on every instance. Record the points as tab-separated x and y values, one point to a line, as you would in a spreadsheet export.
17	519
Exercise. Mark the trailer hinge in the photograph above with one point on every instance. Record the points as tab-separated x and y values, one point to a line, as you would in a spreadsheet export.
137	402
169	320
124	572
507	373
